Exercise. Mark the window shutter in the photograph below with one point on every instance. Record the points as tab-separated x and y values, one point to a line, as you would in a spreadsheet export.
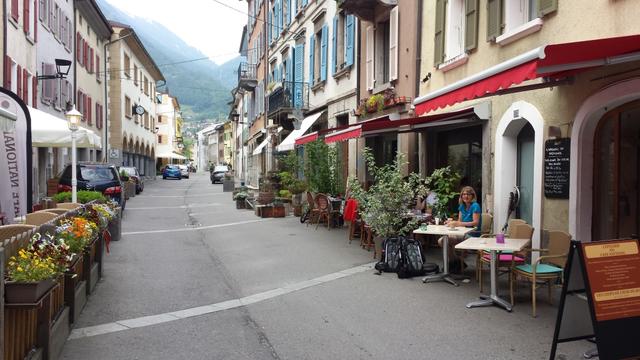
25	16
34	93
324	39
25	86
278	19
91	56
78	47
312	41
547	6
292	10
50	23
85	53
7	72
19	81
494	19
97	67
471	25
438	51
393	44
97	115
350	30
35	21
14	10
298	75
369	58
89	111
304	3
334	46
43	10
290	69
270	26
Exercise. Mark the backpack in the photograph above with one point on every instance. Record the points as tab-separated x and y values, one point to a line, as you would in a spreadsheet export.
411	261
390	255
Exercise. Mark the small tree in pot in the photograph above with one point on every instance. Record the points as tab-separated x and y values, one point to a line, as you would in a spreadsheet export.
240	198
384	205
444	182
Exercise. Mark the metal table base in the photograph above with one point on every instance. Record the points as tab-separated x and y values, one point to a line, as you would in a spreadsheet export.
443	276
493	298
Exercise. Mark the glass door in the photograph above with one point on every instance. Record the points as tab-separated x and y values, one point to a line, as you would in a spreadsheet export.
616	174
526	141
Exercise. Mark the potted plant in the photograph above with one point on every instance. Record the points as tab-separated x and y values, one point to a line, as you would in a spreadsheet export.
444	182
240	198
384	206
375	103
29	277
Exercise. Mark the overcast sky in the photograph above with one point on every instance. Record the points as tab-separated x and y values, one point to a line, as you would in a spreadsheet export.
206	25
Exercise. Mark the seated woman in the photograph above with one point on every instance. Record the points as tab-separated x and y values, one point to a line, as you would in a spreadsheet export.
468	216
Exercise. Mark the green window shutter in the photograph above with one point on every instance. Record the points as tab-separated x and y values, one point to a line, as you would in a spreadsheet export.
494	19
438	50
312	59
547	6
334	46
471	25
324	39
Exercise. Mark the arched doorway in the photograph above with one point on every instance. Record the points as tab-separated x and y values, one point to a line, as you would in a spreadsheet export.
525	175
616	174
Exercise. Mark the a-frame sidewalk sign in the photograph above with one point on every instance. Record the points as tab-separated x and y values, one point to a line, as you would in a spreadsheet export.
601	298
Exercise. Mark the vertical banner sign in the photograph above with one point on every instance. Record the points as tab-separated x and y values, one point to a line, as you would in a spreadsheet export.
15	156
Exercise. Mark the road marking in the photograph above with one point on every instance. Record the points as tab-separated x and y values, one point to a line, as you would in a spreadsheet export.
193	228
181	196
144	321
173	207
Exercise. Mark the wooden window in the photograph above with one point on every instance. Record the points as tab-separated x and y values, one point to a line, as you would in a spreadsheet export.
127	65
135	74
393	44
127	107
369	58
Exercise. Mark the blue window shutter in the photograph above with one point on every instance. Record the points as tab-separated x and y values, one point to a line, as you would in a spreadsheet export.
278	18
290	69
304	2
270	27
292	10
280	69
312	41
334	47
298	75
350	31
323	52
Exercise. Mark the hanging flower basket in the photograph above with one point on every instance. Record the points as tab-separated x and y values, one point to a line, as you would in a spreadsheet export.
26	293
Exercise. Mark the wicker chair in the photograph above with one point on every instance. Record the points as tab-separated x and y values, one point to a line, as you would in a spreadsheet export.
549	267
40	217
69	206
9	231
57	211
324	210
313	209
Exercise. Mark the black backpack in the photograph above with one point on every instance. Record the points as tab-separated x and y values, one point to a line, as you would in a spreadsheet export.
411	261
389	255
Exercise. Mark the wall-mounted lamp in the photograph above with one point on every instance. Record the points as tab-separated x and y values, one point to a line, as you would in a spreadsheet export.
62	70
155	131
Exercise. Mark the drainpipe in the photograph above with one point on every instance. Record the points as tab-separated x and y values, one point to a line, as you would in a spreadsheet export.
418	48
105	154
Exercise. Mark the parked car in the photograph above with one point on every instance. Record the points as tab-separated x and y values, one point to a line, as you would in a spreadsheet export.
172	171
217	175
133	173
95	176
184	170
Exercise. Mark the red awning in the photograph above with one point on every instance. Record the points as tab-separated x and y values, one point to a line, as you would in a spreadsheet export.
552	61
307	138
351	132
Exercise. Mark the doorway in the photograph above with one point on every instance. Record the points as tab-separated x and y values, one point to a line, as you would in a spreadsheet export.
616	175
524	181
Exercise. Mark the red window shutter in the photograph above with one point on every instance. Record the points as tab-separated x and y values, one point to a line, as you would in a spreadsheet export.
85	53
19	75
34	100
35	21
89	111
97	66
25	15
78	48
91	61
14	10
7	72
25	86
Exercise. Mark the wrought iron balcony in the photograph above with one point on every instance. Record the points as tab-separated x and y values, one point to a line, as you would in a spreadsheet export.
291	95
247	76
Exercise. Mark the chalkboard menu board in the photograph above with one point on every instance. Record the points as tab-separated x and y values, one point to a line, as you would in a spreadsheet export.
556	168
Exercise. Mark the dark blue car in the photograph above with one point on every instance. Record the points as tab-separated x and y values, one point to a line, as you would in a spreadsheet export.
172	171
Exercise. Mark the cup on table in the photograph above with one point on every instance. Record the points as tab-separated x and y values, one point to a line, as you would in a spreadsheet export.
500	238
423	227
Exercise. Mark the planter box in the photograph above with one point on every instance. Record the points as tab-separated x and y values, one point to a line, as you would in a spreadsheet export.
228	185
115	226
27	293
130	189
297	210
296	199
241	204
265	197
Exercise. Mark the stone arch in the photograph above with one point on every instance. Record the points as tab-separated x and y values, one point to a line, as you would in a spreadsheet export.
581	164
125	143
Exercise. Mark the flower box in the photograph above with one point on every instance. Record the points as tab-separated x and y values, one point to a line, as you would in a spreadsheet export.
241	204
27	293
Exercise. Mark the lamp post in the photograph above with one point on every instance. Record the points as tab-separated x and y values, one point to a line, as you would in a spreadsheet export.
73	116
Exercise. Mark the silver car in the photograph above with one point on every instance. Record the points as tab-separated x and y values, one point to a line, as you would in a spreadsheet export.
184	171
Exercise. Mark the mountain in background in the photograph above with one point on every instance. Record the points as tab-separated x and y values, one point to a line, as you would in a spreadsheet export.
202	87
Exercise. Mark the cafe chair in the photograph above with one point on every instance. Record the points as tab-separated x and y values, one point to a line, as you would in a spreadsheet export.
40	217
313	210
547	268
324	210
367	241
9	231
489	233
506	259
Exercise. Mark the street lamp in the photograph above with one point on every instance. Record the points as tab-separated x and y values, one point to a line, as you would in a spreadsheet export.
73	116
62	70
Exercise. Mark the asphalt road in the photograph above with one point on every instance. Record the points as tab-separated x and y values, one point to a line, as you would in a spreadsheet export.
194	278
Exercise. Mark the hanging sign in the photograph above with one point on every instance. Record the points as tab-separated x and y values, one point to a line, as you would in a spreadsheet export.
556	168
601	298
15	156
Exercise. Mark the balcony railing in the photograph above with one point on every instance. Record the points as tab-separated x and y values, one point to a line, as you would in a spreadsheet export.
291	95
247	76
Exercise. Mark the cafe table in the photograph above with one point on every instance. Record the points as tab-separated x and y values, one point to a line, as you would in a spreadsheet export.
445	231
490	244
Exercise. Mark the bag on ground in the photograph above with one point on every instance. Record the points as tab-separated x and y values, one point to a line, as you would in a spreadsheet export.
390	255
411	262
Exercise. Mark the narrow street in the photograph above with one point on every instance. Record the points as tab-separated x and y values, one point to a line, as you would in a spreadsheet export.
194	278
